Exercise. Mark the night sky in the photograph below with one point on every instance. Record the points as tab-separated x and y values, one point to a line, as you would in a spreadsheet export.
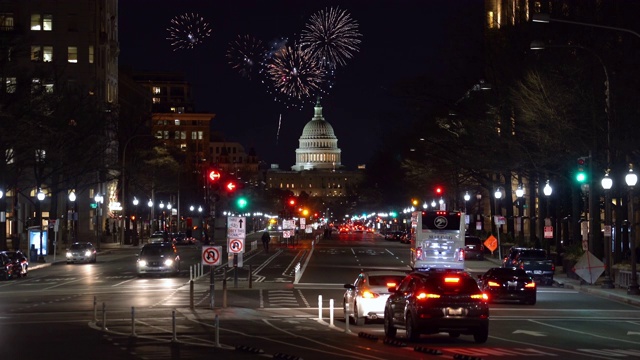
438	40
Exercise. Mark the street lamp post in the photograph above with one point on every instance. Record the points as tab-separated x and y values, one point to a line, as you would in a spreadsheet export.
98	199
520	196
631	179
161	223
135	202
72	216
607	183
466	197
498	196
150	205
40	196
547	190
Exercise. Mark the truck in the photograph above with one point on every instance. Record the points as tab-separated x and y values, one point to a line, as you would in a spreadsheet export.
535	262
437	240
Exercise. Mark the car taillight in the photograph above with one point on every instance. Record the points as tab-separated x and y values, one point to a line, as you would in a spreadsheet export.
553	268
452	280
391	285
369	295
424	296
493	284
461	255
482	297
419	253
530	285
521	266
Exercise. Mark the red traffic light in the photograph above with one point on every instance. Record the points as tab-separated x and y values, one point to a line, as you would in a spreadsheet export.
214	175
231	186
292	202
439	190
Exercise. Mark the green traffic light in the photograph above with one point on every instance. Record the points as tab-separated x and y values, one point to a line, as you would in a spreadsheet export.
242	203
581	177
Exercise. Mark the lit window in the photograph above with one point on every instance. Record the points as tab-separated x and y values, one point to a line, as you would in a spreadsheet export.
156	100
48	86
200	135
47	53
35	84
72	54
47	22
35	22
176	122
36	53
91	54
156	90
194	135
10	85
180	110
6	22
173	109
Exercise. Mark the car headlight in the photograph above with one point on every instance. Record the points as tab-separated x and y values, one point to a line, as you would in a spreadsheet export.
87	253
168	262
68	254
142	263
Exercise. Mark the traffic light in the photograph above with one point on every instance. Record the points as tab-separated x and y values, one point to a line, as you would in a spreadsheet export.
291	202
230	186
213	175
581	173
414	202
439	190
242	202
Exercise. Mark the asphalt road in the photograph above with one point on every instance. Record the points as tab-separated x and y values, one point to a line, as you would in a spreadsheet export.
59	310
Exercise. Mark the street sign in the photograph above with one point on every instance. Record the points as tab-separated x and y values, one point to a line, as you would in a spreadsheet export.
491	243
236	227
548	232
500	220
286	234
211	255
607	230
236	246
288	224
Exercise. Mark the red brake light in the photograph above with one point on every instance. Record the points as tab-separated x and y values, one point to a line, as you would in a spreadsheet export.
423	296
482	297
391	285
530	285
493	284
452	280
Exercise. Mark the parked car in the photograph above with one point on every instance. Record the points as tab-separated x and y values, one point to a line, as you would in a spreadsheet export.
437	301
6	267
158	258
473	248
508	284
20	263
368	294
81	252
534	262
393	235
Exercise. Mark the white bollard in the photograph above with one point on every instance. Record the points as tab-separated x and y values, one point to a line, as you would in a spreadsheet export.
319	307
191	272
346	317
330	312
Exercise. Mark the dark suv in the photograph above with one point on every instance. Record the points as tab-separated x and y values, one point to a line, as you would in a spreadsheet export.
473	248
433	302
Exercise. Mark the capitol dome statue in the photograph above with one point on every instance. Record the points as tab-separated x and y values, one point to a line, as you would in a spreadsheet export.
318	147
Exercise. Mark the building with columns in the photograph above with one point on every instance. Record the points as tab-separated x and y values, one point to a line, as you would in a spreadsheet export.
318	170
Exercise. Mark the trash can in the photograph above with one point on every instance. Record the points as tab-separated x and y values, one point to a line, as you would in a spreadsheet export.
33	254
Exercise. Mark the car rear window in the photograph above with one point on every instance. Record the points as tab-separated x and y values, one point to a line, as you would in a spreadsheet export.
536	254
384	280
472	241
508	272
439	285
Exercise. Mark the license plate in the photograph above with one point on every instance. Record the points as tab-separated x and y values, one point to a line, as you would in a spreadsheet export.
537	272
457	311
512	283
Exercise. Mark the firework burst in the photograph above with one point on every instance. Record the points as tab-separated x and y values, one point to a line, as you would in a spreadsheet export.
246	54
187	30
331	37
295	73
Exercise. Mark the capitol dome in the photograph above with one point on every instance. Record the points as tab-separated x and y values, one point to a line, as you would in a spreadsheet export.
318	145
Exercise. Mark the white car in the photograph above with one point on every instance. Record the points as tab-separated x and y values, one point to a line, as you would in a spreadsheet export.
365	299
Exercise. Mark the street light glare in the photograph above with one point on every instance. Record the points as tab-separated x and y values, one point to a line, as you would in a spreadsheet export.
631	179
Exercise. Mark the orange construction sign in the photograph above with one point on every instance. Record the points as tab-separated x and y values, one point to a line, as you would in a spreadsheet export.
491	243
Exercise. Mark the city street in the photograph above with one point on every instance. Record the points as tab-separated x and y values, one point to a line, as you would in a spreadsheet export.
278	315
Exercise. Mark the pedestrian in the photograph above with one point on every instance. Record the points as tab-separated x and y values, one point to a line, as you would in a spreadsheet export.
265	241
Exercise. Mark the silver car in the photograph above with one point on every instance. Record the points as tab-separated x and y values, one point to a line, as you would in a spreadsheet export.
81	252
366	297
158	258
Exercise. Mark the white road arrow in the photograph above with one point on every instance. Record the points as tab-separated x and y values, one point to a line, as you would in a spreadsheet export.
527	332
633	332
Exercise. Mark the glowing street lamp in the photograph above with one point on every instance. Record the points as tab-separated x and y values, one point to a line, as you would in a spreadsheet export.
631	179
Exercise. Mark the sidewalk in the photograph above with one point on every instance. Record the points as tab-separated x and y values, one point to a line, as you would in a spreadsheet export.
561	280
